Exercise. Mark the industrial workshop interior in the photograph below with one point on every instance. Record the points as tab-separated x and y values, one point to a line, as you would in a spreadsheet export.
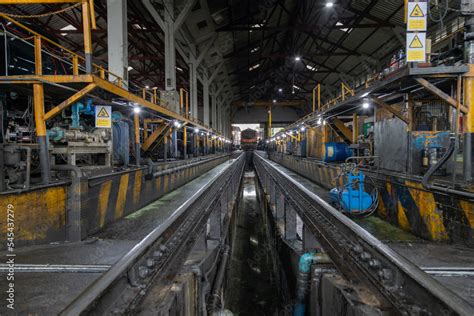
237	157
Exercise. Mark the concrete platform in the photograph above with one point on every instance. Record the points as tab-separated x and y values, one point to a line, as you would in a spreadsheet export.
425	254
47	293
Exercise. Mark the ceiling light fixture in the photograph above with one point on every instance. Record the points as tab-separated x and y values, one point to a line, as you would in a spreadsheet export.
329	4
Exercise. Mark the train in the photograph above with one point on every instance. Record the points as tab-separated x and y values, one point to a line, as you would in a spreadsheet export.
248	139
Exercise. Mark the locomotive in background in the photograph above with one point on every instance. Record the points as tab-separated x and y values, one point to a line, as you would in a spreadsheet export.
248	139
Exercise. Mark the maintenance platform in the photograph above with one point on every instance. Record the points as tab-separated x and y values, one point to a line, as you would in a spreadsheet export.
219	157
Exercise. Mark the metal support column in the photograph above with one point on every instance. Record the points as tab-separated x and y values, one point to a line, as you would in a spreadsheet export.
269	124
117	39
280	206
193	86
290	223
185	143
469	100
170	50
205	92
136	123
355	128
215	224
219	114
214	111
86	24
38	100
174	143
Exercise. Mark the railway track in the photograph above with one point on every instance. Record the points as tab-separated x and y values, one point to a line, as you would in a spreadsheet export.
362	257
155	260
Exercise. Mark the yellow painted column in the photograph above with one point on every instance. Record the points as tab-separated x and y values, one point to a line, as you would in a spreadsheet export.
469	124
355	128
185	143
40	124
86	24
136	121
269	121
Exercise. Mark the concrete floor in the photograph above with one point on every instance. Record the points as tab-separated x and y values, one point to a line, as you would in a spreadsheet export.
48	293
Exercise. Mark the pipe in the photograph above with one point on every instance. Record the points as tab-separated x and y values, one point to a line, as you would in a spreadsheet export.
303	279
219	280
432	170
75	169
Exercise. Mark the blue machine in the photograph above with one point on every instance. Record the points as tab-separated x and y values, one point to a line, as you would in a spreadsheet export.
336	152
352	197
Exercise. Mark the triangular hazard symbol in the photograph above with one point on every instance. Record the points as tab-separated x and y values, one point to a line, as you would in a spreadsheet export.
416	43
417	12
103	113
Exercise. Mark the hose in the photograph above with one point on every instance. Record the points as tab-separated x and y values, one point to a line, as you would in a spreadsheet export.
442	15
432	170
350	168
441	162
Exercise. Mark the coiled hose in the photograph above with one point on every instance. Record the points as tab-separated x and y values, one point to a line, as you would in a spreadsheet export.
345	170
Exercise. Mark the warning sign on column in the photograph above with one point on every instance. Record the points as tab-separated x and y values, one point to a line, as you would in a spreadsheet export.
103	116
416	47
417	16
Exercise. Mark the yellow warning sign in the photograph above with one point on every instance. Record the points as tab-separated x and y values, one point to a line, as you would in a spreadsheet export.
103	113
103	116
417	16
417	12
415	43
416	47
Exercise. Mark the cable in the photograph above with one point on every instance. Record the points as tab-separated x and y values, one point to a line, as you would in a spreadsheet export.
441	15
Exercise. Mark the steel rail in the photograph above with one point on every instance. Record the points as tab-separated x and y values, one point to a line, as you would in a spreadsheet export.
156	253
361	256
